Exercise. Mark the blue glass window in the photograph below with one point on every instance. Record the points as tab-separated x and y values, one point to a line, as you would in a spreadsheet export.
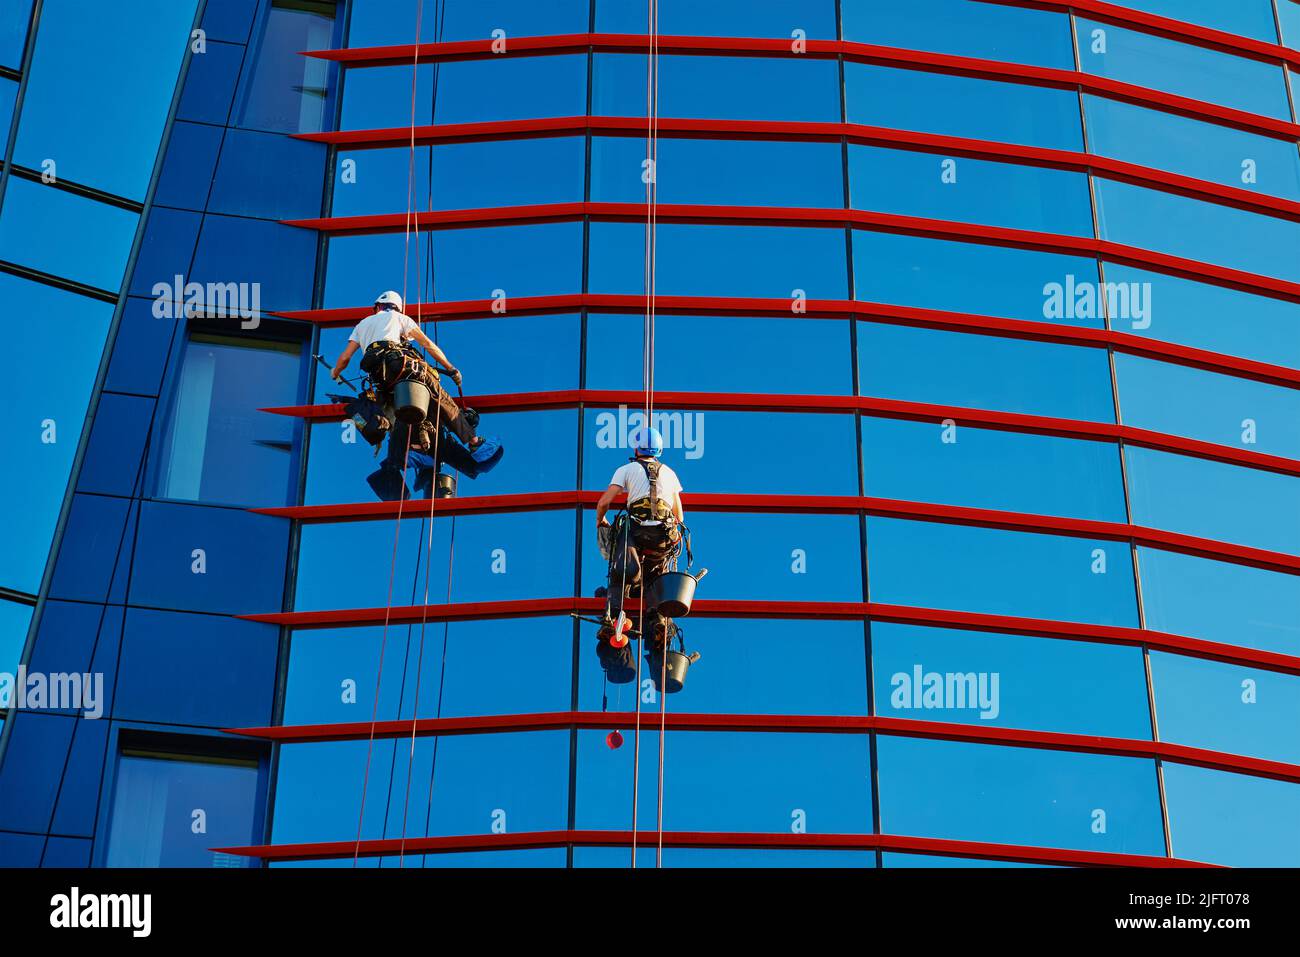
965	28
704	447
984	372
109	147
288	91
215	421
1208	704
8	93
758	261
1182	68
720	172
191	159
1193	148
1215	408
199	670
1247	18
969	277
333	672
731	782
730	88
140	349
45	438
988	468
242	561
277	262
770	355
391	22
1288	12
231	20
469	91
496	558
1206	232
268	176
15	617
980	792
155	797
460	784
1220	601
541	260
167	250
997	572
1191	313
13	32
1014	681
962	106
1228	503
720	18
1232	819
462	176
934	186
210	84
58	232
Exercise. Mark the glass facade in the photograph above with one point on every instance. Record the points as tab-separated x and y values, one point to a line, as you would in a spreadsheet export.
982	382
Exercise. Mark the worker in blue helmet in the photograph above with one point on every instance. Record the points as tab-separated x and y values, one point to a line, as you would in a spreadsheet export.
654	493
640	545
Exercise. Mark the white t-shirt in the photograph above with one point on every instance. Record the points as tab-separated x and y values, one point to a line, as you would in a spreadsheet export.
632	477
387	324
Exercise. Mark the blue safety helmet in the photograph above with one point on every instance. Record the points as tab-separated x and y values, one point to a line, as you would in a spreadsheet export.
648	441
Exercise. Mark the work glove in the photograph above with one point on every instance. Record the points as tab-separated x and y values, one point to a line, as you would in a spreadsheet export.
455	376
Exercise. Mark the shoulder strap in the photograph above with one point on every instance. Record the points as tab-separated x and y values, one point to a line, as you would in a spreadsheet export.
651	470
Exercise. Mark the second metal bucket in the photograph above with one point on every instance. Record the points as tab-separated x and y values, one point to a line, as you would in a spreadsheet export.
676	671
674	592
411	401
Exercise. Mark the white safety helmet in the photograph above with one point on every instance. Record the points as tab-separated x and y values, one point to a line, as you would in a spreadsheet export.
390	298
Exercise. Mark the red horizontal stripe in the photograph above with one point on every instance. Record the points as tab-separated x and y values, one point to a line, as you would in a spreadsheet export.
928	512
787	610
884	408
1167	27
1068	160
809	724
525	840
835	309
817	218
357	57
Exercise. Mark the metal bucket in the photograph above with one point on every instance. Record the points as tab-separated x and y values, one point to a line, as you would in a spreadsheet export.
674	592
411	400
444	486
676	671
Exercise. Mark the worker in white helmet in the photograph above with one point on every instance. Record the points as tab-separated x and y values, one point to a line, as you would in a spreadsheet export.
384	339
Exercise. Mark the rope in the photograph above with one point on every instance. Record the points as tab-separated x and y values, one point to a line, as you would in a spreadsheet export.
425	293
648	375
388	610
406	453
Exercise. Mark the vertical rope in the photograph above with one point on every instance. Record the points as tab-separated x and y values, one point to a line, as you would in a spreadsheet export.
406	453
423	292
648	360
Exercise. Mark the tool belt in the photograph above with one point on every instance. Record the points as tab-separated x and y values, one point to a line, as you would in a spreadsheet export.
388	363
